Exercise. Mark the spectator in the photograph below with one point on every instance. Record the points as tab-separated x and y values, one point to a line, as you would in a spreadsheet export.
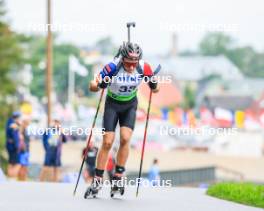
153	175
24	149
12	144
90	162
52	141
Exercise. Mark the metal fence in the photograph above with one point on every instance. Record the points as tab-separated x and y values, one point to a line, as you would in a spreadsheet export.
185	176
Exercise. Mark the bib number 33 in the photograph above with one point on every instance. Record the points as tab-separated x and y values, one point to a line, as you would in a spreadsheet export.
126	88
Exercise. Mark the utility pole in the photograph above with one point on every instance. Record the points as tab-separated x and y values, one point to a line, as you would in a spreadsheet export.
49	64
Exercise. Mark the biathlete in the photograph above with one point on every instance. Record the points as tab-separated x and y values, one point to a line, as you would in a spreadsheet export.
126	72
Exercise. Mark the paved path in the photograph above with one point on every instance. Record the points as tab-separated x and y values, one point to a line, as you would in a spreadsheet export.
252	168
25	196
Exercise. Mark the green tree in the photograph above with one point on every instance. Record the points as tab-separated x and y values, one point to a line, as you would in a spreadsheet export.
37	56
215	44
189	97
257	66
250	62
106	46
11	57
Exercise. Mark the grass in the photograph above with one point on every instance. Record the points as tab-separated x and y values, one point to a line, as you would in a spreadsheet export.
244	193
3	161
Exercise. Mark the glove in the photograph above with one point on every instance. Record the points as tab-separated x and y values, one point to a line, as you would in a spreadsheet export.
153	83
102	85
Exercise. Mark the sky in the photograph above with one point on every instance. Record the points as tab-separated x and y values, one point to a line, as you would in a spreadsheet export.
84	21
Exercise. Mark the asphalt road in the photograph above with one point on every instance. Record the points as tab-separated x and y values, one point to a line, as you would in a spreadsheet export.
26	196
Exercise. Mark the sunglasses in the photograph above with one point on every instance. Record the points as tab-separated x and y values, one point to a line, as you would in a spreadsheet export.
129	63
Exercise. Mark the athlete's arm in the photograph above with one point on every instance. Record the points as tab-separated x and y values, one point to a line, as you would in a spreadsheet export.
153	83
101	81
98	83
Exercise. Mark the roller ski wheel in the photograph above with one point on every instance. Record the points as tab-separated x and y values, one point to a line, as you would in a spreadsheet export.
117	187
94	188
90	192
117	190
87	193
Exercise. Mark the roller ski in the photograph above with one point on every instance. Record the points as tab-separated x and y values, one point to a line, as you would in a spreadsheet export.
95	187
117	186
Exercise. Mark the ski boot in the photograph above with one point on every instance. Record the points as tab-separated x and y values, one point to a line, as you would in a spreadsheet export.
94	188
117	186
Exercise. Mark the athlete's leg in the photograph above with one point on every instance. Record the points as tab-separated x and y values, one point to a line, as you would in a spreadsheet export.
123	151
122	155
127	122
110	120
102	157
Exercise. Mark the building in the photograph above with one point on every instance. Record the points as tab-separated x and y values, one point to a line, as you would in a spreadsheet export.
196	68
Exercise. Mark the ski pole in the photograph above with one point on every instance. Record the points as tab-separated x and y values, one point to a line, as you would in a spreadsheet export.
89	140
144	141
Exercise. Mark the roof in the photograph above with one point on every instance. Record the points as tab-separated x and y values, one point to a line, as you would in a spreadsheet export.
229	102
246	87
168	94
194	68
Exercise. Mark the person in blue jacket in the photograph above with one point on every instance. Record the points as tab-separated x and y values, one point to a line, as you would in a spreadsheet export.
53	139
24	152
154	174
13	144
